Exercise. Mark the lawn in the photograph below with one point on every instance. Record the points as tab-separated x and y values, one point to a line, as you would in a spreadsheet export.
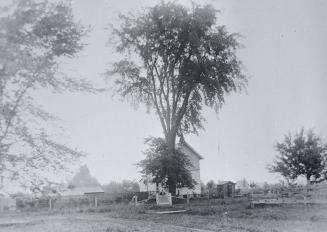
201	216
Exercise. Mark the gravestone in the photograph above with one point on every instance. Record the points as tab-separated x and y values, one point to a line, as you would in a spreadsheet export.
164	199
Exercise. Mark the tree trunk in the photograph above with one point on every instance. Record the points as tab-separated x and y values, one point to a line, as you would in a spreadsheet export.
308	184
171	143
172	188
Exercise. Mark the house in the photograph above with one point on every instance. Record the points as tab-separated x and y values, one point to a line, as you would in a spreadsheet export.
194	157
79	190
83	184
226	189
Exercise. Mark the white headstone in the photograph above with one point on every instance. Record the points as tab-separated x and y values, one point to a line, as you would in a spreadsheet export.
164	199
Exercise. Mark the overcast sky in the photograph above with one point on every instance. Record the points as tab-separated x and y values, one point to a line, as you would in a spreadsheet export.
286	62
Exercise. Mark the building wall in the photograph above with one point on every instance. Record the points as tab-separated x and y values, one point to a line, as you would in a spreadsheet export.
195	161
226	190
195	170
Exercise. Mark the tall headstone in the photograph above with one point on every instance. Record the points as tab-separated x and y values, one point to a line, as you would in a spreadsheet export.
164	199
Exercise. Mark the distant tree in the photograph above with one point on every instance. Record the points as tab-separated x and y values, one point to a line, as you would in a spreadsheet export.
204	189
112	187
176	61
281	184
35	36
253	185
130	186
170	170
83	178
211	185
303	154
266	185
121	187
243	184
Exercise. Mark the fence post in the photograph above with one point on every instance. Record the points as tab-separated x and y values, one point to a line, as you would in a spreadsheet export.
50	203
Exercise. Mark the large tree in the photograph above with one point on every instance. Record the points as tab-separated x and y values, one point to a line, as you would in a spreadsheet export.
176	60
35	36
303	154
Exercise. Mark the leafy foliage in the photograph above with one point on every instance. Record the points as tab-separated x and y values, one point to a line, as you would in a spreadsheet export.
176	61
121	187
83	179
302	155
35	36
171	170
211	184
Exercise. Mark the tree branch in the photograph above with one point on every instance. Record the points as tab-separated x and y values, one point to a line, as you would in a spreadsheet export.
13	111
155	101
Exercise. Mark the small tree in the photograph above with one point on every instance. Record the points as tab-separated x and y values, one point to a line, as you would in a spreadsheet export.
301	155
204	189
243	184
169	170
253	185
211	185
130	186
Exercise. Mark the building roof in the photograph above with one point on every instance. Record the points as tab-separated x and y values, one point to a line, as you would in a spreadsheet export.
82	190
225	182
183	143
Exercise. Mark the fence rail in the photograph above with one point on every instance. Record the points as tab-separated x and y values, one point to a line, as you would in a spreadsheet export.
315	194
78	201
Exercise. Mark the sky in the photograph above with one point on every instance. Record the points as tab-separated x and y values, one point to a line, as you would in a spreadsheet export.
285	59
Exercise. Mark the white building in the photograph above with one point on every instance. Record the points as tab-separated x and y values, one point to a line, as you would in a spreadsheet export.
195	157
78	191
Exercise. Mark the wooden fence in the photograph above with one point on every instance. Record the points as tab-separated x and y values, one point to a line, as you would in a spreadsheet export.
315	194
77	201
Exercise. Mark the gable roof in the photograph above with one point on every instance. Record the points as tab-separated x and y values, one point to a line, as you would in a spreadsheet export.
225	182
185	144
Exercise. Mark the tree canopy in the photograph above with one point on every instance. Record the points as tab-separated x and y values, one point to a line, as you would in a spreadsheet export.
124	186
303	154
170	170
35	36
83	179
176	60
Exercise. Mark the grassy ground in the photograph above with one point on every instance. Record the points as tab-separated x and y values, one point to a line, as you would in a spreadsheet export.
202	216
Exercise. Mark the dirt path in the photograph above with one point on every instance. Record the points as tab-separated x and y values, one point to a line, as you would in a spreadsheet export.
257	220
83	223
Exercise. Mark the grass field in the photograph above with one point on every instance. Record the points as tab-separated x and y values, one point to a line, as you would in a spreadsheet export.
202	216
